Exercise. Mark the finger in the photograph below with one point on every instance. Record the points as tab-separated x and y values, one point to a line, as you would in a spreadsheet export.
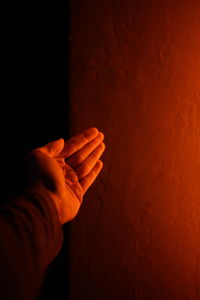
87	165
69	174
87	181
77	142
83	153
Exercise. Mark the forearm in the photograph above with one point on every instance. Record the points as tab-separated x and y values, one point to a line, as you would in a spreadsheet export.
31	237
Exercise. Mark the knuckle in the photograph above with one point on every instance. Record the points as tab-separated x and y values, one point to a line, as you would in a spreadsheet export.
83	170
93	173
85	137
96	155
80	158
71	145
93	143
86	166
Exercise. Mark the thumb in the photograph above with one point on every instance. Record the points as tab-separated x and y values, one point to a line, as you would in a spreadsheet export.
53	148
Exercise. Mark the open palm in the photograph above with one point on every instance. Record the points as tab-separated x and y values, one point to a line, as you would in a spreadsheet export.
67	169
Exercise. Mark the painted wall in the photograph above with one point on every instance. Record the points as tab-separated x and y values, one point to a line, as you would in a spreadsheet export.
135	75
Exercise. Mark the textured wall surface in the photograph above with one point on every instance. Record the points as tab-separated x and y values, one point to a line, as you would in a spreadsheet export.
135	75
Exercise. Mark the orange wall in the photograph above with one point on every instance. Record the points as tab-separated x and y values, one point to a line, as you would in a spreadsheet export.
135	74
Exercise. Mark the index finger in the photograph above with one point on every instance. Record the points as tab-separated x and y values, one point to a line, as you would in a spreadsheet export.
77	142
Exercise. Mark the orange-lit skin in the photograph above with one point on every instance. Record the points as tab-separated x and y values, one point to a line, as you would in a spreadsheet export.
67	169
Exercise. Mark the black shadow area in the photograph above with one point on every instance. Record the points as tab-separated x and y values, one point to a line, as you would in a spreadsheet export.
34	102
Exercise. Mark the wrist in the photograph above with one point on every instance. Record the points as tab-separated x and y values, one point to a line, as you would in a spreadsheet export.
40	189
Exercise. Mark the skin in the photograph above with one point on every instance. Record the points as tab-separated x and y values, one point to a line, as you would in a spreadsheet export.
66	169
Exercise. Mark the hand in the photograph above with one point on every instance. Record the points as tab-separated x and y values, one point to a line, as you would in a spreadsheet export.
67	169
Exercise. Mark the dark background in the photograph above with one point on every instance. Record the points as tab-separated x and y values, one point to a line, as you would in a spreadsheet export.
34	100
